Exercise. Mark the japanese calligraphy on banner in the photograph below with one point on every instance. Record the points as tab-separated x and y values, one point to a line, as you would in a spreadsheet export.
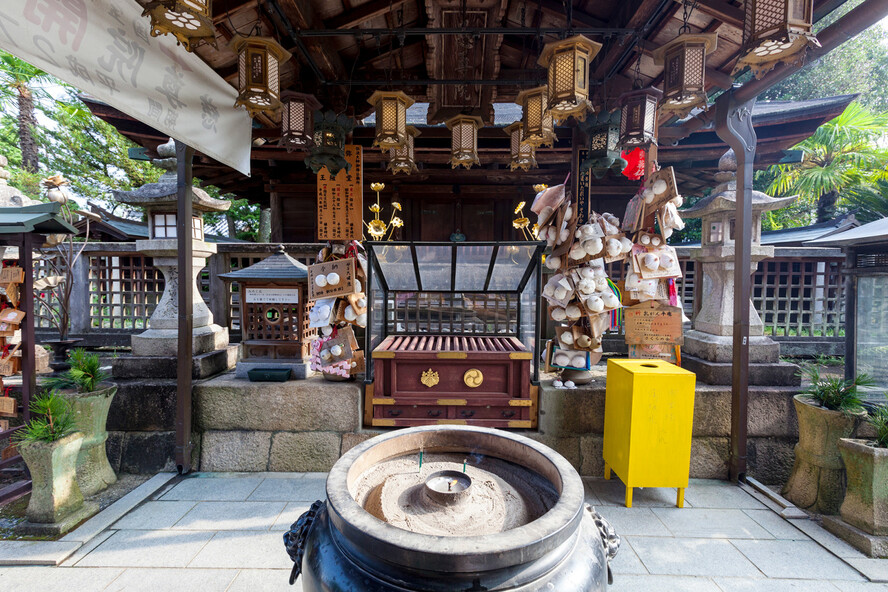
103	48
340	200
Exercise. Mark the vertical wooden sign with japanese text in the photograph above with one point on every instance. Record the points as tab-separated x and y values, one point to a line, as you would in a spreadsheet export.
340	200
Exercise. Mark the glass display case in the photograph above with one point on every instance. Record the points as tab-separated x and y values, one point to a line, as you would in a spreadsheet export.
452	333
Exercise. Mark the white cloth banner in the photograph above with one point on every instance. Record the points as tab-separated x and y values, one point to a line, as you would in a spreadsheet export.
103	48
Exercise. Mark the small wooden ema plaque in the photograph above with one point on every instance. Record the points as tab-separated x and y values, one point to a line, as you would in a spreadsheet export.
4	425
340	200
8	407
652	323
344	268
12	275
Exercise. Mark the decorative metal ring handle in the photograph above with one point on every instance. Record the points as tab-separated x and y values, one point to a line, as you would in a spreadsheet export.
395	412
434	412
609	539
467	412
294	539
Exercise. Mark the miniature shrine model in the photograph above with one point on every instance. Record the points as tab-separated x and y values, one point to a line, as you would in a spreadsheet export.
274	316
453	330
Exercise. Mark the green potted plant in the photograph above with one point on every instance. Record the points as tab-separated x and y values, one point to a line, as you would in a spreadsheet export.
828	409
866	500
83	384
49	444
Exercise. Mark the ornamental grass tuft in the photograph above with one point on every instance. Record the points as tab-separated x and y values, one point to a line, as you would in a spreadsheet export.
834	393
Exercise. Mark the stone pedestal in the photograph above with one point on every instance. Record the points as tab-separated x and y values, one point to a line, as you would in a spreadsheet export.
162	336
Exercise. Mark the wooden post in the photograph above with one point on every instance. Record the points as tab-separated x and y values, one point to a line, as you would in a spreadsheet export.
29	362
733	124
850	271
184	445
277	217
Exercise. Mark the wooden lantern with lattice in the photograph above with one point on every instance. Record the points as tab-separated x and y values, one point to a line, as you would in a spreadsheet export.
684	72
464	140
567	62
775	31
259	62
638	117
189	21
536	121
391	118
522	154
274	309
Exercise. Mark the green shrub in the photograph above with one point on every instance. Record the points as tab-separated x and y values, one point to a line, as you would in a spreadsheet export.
52	419
878	418
85	373
832	392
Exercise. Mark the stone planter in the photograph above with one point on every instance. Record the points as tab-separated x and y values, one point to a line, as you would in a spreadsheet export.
54	494
817	482
866	500
94	472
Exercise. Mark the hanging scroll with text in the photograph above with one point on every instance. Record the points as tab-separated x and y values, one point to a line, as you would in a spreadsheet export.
652	323
340	200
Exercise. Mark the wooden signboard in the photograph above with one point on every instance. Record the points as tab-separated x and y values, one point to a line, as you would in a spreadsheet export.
345	268
11	315
653	323
632	217
12	275
340	200
8	407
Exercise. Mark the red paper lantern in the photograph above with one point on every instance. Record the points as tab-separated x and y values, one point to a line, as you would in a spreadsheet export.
635	169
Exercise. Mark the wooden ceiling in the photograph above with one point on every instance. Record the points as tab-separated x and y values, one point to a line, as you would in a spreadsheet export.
343	50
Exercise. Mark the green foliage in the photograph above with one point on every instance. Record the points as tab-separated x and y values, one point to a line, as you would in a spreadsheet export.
825	360
842	155
85	373
878	418
53	419
832	392
870	202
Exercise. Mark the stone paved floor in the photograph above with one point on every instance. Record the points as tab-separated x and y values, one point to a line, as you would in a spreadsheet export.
222	532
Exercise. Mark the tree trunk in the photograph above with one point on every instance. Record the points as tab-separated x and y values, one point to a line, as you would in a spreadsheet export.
26	123
232	229
826	206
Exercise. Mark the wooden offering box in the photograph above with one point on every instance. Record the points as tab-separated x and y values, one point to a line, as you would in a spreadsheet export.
452	328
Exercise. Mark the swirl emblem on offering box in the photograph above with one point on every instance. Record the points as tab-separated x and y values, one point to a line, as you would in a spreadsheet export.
473	378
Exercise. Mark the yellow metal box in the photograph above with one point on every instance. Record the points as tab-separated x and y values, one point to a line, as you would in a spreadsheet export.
648	416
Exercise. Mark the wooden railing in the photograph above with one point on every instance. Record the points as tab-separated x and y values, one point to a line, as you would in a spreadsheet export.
798	293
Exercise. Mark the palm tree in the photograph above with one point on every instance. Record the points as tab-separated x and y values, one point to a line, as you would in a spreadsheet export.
842	154
19	86
870	201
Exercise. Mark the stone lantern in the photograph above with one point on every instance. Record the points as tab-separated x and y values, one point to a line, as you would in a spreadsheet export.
159	202
708	347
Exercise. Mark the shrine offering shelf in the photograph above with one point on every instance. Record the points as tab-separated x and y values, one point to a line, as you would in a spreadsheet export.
442	379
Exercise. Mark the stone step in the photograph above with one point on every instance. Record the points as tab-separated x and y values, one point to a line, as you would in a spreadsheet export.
203	366
774	374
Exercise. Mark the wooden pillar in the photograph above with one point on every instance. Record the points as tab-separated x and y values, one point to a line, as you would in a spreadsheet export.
277	217
184	212
733	124
850	271
29	361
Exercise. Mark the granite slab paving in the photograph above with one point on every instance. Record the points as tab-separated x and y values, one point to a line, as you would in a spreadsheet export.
221	532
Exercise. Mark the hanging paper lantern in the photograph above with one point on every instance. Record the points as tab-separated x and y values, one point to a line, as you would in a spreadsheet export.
775	31
567	62
522	154
391	118
635	163
189	21
536	121
638	119
603	155
684	72
401	159
329	142
297	120
464	140
259	77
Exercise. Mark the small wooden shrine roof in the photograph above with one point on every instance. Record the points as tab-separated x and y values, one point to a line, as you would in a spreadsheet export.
43	219
278	267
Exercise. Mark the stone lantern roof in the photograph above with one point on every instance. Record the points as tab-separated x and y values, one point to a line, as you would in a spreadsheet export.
163	193
10	197
278	267
724	196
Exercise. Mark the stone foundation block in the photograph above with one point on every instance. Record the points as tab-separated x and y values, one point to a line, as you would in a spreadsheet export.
712	411
350	440
568	447
142	452
771	412
781	373
709	458
592	456
315	404
143	405
304	451
203	366
871	545
235	451
770	459
566	412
